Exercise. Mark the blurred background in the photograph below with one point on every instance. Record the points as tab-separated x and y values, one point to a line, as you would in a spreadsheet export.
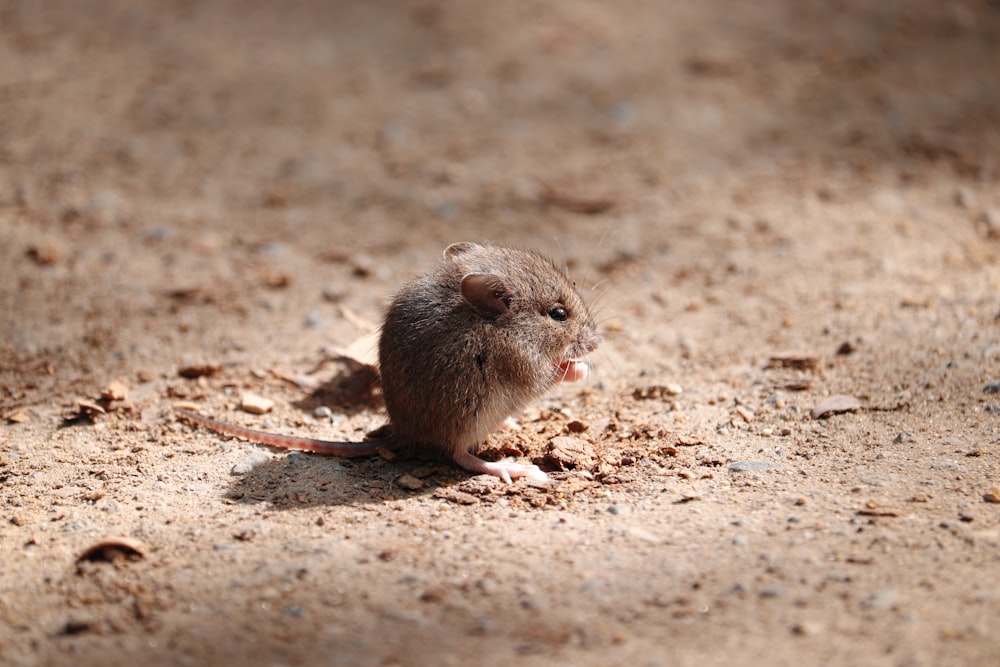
172	171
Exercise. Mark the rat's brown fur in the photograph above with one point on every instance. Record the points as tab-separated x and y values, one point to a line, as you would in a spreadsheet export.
462	348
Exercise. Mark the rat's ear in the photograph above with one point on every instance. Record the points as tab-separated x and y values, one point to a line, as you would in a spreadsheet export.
486	293
456	249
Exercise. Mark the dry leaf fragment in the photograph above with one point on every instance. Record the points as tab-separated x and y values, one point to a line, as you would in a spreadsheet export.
115	391
568	452
354	319
364	350
835	405
573	203
84	410
873	508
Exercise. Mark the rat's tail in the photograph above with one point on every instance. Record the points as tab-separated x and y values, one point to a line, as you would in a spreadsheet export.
286	441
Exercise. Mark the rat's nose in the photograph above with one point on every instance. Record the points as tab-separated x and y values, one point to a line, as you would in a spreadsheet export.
588	341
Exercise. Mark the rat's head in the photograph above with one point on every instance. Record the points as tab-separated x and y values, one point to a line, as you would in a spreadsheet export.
531	304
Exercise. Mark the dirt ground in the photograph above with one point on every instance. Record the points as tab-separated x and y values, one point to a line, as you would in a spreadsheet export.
767	204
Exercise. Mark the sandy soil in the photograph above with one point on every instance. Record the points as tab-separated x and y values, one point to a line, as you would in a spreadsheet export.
768	204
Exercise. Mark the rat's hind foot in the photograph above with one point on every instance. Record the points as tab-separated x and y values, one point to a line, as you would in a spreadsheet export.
506	470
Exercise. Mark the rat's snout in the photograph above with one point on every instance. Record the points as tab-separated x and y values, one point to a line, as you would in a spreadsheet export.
589	340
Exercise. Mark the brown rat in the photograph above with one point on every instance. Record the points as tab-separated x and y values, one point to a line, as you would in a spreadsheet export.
462	348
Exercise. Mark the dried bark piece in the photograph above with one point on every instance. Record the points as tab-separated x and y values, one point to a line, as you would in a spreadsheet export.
799	362
113	550
199	370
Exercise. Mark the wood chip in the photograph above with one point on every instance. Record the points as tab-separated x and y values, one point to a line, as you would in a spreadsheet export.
835	405
355	320
254	404
745	413
276	279
46	252
19	417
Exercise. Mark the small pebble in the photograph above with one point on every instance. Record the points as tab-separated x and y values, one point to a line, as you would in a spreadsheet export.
776	591
964	198
615	509
362	265
992	388
409	482
334	293
904	436
806	629
884	599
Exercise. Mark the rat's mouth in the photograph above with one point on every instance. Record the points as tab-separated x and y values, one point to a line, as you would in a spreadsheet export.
571	370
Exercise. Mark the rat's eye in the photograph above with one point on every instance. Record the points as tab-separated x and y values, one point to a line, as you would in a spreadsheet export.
559	314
